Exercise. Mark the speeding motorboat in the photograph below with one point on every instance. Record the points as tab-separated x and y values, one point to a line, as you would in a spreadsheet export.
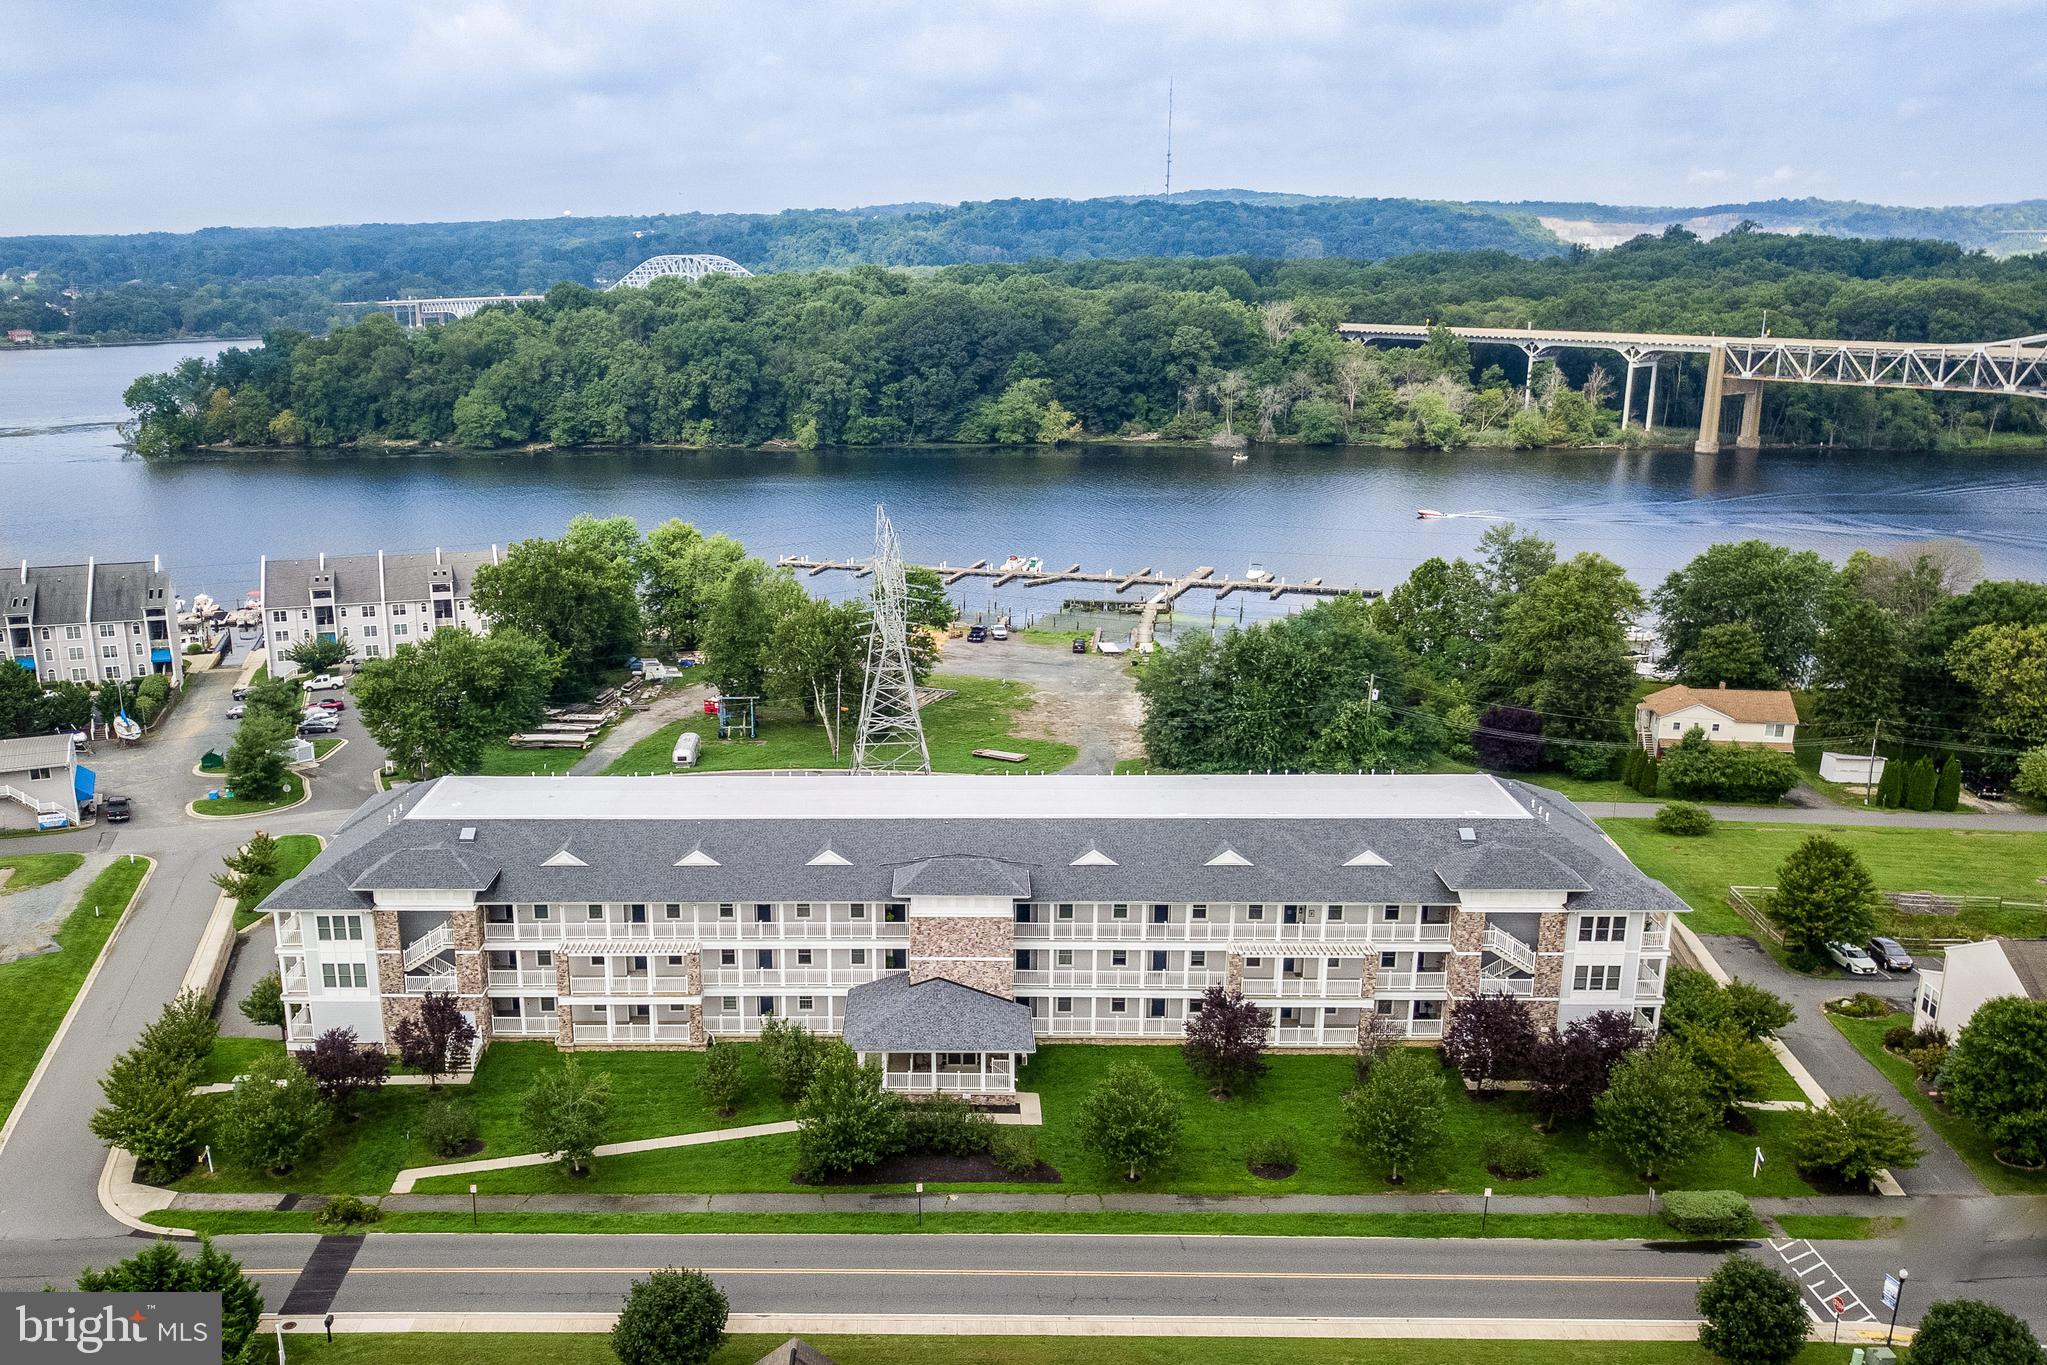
1427	514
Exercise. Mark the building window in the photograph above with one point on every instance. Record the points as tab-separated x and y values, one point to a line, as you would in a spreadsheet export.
1023	914
803	957
1435	914
338	928
856	911
1335	913
728	957
547	1004
895	959
803	910
595	912
543	958
1428	1009
1118	957
1606	978
540	912
1118	1005
1774	731
38	774
674	961
671	912
1197	912
1254	962
1066	912
727	911
806	1003
1197	959
1062	1004
343	975
1156	1008
1254	912
1602	929
895	914
1389	960
859	957
1062	957
728	1003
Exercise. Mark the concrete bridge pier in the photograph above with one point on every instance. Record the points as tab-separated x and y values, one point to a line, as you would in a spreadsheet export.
1628	392
1749	435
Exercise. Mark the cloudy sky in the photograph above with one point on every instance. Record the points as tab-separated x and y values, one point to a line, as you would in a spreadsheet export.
124	115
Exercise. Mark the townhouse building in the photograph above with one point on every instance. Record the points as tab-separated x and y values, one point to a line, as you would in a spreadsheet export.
91	622
948	923
380	601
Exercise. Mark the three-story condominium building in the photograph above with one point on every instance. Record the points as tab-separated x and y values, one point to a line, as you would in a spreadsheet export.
90	622
379	601
946	923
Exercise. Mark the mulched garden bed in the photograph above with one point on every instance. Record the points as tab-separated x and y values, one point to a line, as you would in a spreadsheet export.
904	1169
1274	1172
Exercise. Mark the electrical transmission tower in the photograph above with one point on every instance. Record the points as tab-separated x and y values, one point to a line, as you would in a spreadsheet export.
891	735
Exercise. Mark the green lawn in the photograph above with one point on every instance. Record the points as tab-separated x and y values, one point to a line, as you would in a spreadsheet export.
1298	1095
1568	1227
231	1057
654	1093
502	760
294	851
38	869
324	747
1968	1141
1780	1086
1953	861
35	992
294	790
982	715
482	1348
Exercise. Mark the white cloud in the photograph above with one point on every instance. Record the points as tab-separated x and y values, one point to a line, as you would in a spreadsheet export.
178	113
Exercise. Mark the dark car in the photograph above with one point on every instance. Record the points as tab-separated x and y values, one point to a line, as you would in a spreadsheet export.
976	634
117	809
239	693
1890	954
1079	644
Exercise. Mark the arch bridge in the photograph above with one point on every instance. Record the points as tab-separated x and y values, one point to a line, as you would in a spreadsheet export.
422	312
1740	366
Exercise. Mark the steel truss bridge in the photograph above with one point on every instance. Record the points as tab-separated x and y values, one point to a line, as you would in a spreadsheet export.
421	312
1740	366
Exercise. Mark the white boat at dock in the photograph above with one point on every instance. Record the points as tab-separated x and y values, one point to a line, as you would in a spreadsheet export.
1257	573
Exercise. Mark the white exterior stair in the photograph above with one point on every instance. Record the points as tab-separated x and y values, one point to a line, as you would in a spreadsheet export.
1508	949
39	807
431	944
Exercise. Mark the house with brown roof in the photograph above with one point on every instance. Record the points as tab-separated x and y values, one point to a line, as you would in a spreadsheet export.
1763	718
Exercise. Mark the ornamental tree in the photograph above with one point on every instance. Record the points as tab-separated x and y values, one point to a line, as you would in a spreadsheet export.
1395	1115
1130	1119
1226	1037
321	653
248	868
264	1004
846	1120
564	1112
1655	1113
1570	1068
1996	1076
436	1040
1852	1137
1754	1315
1489	1038
673	1317
1971	1332
151	1112
1508	737
274	1119
720	1080
255	765
1823	894
791	1054
183	1033
342	1067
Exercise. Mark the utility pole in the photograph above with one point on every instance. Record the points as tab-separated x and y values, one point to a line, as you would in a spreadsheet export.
1869	773
1169	137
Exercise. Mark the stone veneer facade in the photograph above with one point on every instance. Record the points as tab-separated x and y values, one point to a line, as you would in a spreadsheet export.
973	950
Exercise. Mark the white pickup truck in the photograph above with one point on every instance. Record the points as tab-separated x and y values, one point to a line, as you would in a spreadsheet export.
326	682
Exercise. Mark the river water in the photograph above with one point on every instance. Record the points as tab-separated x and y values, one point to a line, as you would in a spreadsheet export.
68	490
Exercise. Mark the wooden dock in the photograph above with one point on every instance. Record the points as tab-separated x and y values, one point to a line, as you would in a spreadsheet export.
1165	588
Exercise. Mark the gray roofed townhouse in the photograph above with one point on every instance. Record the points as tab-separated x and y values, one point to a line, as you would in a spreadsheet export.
379	600
91	622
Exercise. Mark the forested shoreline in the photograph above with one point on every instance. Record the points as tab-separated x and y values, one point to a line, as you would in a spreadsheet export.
1167	349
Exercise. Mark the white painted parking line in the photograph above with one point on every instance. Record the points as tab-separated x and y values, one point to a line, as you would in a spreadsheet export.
1822	1282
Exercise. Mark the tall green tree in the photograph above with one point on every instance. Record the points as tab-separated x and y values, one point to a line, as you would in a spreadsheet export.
159	1269
1563	651
1824	894
275	1118
574	596
1996	1075
1130	1120
1729	654
256	766
1858	664
2007	667
845	1120
1395	1114
1442	613
683	570
1776	592
739	627
564	1112
434	706
1656	1112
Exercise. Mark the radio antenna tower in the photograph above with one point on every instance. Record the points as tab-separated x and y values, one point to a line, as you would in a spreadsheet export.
1169	137
891	735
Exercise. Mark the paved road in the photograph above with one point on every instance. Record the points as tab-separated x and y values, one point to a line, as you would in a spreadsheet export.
1826	815
50	1167
1835	1063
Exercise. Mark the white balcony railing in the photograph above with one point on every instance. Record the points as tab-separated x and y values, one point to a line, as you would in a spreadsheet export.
523	978
1508	949
1425	1028
1506	985
596	985
1412	981
1304	1035
429	983
523	1026
995	1080
1655	941
1114	1026
1297	987
598	1031
428	945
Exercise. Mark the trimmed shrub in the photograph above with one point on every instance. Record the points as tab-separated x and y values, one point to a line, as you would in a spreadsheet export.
1754	1314
1862	1005
1708	1213
673	1317
1904	1040
1697	767
1947	792
1272	1151
448	1126
1514	1156
1682	817
1970	1332
1014	1149
345	1211
1927	1061
945	1125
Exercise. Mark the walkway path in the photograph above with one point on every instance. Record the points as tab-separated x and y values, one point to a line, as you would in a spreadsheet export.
673	702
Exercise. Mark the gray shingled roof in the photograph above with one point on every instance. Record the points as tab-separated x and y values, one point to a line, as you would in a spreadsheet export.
287	582
34	751
1507	867
768	859
2028	959
957	875
889	1014
55	594
434	868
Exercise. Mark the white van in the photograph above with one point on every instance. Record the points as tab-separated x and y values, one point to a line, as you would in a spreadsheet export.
686	745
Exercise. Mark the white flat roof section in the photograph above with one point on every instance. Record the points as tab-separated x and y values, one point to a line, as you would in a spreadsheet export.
957	796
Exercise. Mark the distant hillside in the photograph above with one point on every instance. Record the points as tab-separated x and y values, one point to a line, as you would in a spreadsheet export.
2001	229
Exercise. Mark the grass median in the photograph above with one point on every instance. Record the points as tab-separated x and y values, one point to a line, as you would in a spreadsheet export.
29	870
482	1348
1953	862
36	992
294	792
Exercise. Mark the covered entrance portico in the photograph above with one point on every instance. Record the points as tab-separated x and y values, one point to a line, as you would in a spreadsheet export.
938	1037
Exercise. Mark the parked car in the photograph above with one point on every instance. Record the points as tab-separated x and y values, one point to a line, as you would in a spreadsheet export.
998	632
236	711
239	693
1852	959
976	634
117	809
1890	954
1080	644
334	704
325	682
325	725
